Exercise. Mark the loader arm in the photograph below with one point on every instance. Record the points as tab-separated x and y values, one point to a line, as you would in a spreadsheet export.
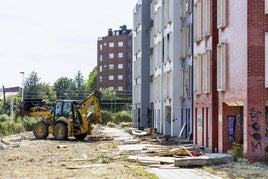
85	104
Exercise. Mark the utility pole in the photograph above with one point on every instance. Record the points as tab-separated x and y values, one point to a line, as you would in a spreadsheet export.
11	108
22	91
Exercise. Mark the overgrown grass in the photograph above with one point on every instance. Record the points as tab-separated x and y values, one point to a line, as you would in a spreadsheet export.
15	126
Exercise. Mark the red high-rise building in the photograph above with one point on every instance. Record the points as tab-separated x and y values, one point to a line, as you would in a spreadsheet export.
114	66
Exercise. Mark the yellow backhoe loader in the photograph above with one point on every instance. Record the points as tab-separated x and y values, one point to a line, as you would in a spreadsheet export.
68	118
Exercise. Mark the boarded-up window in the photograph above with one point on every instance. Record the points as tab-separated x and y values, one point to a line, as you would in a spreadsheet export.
183	8
221	67
206	18
186	81
197	75
266	59
197	22
266	6
188	40
183	42
206	72
221	14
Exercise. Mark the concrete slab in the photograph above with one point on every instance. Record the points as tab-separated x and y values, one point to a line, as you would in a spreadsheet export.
208	159
155	160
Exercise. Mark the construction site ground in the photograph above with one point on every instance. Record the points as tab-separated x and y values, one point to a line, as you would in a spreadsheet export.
108	153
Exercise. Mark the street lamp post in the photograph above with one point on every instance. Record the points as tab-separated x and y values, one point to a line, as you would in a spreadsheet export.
22	91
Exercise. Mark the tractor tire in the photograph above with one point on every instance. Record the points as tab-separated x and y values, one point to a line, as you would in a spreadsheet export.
80	136
60	131
40	130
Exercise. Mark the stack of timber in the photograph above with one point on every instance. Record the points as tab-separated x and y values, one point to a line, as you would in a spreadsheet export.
178	152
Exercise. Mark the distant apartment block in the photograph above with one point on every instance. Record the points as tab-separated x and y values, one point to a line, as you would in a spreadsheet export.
162	61
114	66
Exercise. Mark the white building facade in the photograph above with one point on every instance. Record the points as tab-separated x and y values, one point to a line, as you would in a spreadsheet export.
167	66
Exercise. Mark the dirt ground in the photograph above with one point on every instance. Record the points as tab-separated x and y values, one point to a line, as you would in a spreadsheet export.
239	169
22	156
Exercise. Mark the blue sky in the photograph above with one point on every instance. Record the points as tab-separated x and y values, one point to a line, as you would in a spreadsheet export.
55	38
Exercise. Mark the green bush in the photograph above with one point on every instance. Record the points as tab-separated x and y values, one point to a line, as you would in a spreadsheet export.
29	123
8	127
106	117
4	117
237	151
122	116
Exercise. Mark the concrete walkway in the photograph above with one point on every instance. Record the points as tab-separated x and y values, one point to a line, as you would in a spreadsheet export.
181	173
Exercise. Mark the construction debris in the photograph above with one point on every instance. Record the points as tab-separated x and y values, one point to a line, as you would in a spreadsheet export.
208	159
98	138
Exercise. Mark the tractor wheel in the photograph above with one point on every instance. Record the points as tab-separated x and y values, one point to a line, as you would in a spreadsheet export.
60	131
80	136
40	130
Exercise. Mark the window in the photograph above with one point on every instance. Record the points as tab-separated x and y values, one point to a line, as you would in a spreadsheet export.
183	35
100	47
100	78
221	14
197	22
111	88
120	77
185	80
100	68
197	75
120	88
120	44
266	6
206	72
111	77
266	59
100	58
111	66
111	44
111	55
188	6
206	18
120	66
120	55
221	67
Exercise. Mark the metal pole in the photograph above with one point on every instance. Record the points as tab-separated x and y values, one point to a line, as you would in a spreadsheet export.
11	108
22	91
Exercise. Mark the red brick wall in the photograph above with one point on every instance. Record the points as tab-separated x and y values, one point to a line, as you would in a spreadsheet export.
210	101
257	26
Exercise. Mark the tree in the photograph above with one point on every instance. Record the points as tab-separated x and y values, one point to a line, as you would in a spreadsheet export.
30	86
65	88
47	92
79	85
91	83
107	94
35	89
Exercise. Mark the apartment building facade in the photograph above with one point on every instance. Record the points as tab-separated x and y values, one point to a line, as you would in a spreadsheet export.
205	42
167	28
141	65
231	76
114	66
